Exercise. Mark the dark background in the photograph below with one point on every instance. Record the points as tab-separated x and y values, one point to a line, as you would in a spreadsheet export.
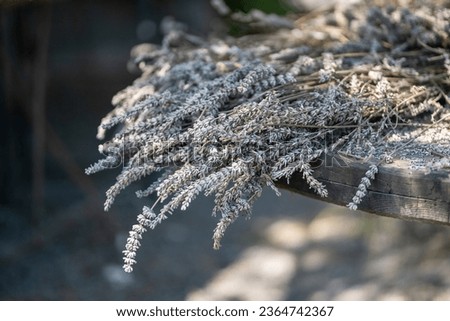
61	63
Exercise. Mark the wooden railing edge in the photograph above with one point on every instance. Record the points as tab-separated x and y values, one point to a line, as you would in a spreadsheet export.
397	191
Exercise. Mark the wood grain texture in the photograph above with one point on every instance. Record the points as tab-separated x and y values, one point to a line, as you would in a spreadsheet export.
397	191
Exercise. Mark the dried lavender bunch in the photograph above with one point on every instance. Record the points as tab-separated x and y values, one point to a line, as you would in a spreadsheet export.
227	118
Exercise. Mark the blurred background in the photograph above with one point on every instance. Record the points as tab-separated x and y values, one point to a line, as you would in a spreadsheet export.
61	63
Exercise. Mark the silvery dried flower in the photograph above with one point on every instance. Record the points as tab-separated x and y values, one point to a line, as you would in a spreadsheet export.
361	192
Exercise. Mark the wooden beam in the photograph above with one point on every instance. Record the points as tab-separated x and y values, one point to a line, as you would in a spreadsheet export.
397	190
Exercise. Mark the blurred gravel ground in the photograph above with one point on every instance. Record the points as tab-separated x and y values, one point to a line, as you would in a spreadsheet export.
292	248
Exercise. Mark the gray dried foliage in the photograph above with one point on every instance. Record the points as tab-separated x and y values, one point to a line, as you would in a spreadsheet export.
230	117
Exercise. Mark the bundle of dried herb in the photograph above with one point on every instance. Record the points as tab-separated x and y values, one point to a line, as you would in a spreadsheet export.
229	117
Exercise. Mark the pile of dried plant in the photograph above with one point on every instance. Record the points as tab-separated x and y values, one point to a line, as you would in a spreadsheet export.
226	117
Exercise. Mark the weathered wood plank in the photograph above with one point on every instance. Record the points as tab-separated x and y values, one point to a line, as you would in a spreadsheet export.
397	191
